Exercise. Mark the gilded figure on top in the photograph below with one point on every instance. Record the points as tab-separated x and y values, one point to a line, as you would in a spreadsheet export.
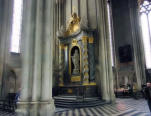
74	24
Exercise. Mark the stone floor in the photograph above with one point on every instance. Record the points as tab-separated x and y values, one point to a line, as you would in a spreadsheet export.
3	113
122	107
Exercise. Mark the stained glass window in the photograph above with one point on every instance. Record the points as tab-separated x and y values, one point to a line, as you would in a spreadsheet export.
145	13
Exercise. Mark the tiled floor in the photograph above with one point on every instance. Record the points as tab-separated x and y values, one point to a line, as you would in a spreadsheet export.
122	107
3	113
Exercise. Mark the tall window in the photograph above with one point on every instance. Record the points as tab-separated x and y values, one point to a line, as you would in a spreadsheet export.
110	30
16	26
145	10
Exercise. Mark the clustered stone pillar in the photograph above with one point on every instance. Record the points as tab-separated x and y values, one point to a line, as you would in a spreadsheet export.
104	66
59	15
139	56
47	106
36	88
6	16
37	49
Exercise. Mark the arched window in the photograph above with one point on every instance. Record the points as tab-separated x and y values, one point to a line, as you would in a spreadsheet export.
110	30
145	13
16	26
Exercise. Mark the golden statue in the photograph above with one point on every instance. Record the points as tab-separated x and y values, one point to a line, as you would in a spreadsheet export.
74	24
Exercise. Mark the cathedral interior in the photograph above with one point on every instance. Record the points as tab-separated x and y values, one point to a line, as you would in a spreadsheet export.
69	54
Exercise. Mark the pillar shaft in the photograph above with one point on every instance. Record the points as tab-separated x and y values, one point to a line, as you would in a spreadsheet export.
37	36
27	50
137	44
61	64
105	66
36	90
85	60
5	35
47	73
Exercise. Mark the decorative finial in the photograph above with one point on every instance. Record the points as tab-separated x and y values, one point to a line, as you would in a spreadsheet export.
74	24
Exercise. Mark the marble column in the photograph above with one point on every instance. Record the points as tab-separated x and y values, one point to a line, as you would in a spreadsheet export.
37	65
47	106
75	6
83	9
6	15
55	44
37	42
59	20
85	60
68	10
91	59
36	89
104	66
28	26
61	64
139	56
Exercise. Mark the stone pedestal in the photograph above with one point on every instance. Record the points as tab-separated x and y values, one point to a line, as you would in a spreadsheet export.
35	108
47	109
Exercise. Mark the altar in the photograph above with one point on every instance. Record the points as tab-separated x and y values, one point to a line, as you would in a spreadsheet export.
76	58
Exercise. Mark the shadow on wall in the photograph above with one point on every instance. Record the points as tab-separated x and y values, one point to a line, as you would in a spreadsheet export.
9	81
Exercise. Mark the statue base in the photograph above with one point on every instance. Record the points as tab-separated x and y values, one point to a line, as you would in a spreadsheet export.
78	90
76	71
75	78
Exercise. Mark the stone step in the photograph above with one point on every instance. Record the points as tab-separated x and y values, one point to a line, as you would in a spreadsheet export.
80	105
73	102
78	101
72	99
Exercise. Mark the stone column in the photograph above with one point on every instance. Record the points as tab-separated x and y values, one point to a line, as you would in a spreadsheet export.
91	60
104	66
36	89
61	64
55	44
75	6
139	56
28	26
59	20
37	65
85	60
47	105
6	8
68	10
84	9
37	35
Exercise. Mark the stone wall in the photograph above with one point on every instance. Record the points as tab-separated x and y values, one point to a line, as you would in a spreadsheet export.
122	37
126	33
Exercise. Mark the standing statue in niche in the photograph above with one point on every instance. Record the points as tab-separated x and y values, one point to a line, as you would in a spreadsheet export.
75	60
